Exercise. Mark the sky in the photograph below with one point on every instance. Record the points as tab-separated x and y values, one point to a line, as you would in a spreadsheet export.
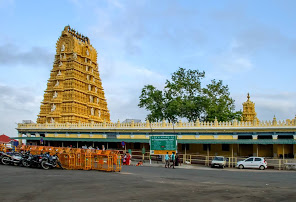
250	45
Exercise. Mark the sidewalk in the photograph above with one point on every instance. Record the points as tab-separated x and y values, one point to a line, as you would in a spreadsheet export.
203	167
160	164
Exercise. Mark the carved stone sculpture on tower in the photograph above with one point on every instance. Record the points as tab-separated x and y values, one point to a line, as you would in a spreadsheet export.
55	95
63	48
53	108
57	83
74	56
92	111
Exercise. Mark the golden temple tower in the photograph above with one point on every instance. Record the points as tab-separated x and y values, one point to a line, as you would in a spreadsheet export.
249	113
74	90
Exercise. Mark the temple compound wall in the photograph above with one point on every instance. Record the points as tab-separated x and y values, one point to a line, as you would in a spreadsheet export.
267	139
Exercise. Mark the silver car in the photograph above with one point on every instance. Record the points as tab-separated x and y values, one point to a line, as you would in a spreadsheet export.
218	161
252	162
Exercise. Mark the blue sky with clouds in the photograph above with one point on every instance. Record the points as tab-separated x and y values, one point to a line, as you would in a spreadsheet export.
250	45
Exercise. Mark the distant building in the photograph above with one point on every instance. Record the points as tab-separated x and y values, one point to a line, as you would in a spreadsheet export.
4	139
130	120
27	121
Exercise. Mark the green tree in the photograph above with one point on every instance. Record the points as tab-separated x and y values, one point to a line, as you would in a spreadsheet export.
184	83
218	103
172	110
152	100
183	97
193	108
185	88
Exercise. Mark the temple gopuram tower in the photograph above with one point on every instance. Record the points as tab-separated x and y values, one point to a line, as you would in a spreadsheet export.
249	113
74	90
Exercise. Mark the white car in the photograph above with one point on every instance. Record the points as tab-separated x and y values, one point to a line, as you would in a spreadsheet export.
252	162
218	161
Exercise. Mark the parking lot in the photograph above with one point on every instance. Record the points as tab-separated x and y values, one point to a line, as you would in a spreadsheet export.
146	184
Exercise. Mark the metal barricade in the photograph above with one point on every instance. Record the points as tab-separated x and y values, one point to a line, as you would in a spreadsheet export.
88	158
74	159
79	159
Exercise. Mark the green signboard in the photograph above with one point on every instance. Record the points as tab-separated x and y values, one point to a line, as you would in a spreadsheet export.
163	143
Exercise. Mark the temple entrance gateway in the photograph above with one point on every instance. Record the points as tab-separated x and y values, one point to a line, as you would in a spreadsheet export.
74	92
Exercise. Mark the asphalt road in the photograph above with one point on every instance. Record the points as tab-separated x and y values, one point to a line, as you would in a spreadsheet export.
146	184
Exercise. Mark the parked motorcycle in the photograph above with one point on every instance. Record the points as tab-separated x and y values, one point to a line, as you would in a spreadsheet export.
33	161
49	161
13	158
1	155
26	159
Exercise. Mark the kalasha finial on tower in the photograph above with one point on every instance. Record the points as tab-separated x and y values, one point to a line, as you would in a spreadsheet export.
248	96
67	28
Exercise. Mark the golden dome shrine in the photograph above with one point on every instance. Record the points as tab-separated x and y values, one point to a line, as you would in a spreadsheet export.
249	113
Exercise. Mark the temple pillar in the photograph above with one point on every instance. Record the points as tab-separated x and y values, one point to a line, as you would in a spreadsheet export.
255	150
20	140
275	151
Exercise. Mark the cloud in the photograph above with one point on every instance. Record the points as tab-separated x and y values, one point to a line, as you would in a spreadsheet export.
229	63
116	4
123	83
254	33
10	54
231	14
135	25
263	38
6	3
18	99
17	104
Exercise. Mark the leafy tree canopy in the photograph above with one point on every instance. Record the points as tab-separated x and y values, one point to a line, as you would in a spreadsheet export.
183	97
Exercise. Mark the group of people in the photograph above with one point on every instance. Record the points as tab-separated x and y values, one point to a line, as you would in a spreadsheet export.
174	158
126	159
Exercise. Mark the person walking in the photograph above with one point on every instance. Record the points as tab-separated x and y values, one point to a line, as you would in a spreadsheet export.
124	159
177	160
167	160
173	159
128	159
